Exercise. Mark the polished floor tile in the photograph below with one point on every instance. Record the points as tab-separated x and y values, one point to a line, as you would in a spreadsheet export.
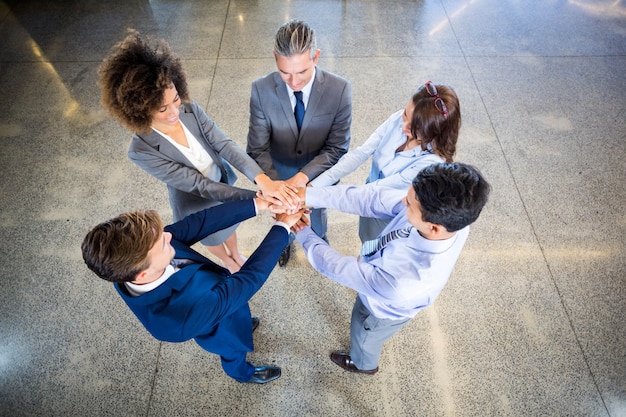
532	320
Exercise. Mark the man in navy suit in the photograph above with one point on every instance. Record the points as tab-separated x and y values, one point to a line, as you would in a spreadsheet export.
177	293
291	148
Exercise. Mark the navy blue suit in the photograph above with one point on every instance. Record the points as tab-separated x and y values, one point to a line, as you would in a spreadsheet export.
203	301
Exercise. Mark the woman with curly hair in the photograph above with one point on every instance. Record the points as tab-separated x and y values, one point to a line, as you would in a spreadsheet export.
425	132
144	86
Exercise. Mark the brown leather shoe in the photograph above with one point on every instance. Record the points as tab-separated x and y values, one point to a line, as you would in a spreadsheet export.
343	359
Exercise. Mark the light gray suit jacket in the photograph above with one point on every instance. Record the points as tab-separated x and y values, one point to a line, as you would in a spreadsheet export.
325	133
189	190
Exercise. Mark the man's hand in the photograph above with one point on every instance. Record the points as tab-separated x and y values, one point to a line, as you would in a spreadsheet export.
297	221
300	202
279	193
267	204
300	224
299	180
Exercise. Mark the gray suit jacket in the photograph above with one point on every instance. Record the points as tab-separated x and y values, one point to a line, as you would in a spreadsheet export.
189	190
325	133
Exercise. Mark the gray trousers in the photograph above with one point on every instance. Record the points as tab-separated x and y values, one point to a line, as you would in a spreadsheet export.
368	334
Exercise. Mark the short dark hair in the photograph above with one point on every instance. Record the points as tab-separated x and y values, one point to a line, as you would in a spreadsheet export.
451	194
117	250
133	79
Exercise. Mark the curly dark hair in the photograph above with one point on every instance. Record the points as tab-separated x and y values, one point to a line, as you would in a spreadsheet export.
430	126
133	79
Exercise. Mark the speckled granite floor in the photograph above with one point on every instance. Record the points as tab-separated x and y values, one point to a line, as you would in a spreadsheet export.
532	320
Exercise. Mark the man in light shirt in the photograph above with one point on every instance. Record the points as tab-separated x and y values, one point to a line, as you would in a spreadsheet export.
407	267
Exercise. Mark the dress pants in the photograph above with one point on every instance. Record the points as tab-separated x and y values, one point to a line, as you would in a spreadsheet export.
236	366
319	216
368	334
234	362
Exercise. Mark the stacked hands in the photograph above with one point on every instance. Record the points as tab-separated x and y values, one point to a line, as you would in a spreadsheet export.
286	199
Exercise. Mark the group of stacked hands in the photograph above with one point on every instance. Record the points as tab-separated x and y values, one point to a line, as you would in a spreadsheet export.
415	208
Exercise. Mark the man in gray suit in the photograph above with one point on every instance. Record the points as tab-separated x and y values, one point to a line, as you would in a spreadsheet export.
300	116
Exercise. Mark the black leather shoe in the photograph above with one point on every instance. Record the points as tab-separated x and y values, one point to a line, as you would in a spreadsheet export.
255	323
284	256
343	359
264	374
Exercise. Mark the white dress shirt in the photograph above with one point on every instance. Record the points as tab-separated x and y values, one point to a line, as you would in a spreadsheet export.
306	92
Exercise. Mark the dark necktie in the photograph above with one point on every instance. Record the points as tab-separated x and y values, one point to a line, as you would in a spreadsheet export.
181	262
370	247
299	110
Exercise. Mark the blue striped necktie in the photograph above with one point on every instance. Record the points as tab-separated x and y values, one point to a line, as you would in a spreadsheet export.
370	247
299	110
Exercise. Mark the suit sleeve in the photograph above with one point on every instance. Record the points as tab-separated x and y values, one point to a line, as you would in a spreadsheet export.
197	226
180	176
338	140
258	144
225	147
235	291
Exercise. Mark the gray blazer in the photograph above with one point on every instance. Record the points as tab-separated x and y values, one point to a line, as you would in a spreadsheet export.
189	190
325	133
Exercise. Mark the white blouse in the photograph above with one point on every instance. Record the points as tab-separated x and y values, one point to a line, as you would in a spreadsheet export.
196	154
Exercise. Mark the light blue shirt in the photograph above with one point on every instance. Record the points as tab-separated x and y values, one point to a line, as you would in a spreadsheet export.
400	279
389	168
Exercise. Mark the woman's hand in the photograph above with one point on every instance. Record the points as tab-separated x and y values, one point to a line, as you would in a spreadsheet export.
279	193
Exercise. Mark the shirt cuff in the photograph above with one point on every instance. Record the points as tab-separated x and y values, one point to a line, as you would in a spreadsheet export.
285	225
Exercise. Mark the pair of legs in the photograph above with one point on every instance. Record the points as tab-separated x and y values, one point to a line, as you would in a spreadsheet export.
368	334
234	360
236	366
228	253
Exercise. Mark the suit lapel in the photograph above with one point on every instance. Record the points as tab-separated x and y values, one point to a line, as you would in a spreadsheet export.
317	92
285	103
164	147
189	119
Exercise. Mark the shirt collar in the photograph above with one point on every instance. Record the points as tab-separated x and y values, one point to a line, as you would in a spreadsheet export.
306	90
136	290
